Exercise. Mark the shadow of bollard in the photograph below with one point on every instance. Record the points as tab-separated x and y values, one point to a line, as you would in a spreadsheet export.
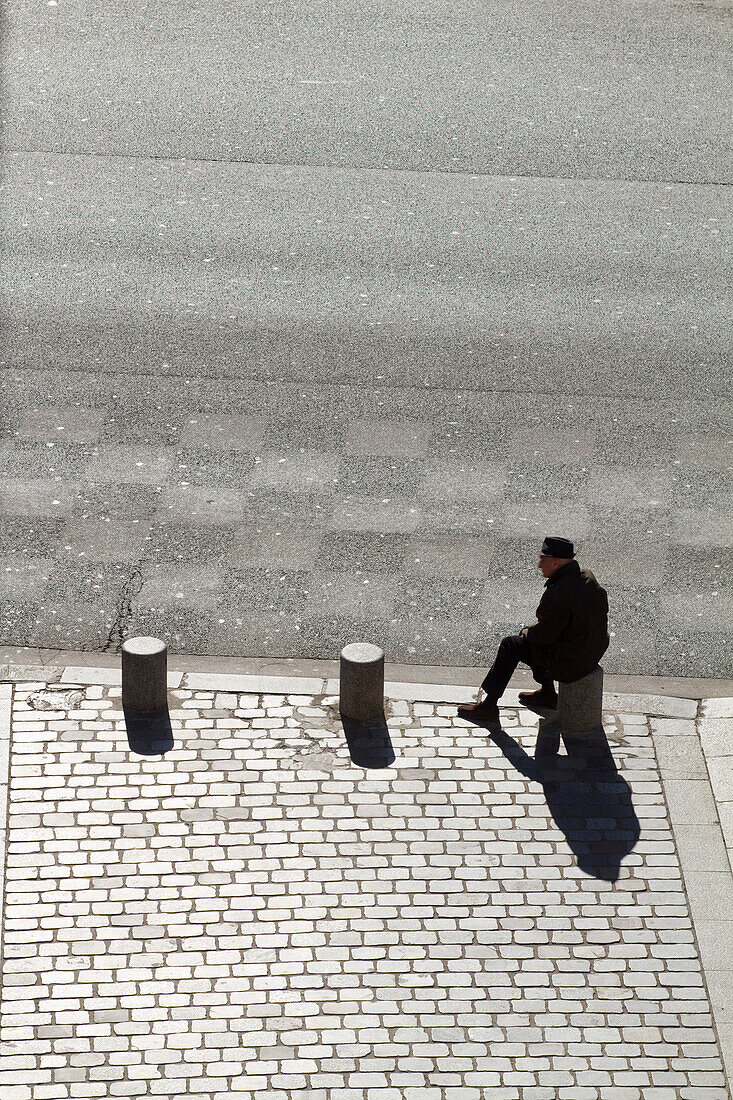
145	697
369	742
361	705
589	801
148	734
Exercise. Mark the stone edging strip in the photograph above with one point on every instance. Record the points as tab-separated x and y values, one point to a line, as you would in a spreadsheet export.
695	795
658	705
711	891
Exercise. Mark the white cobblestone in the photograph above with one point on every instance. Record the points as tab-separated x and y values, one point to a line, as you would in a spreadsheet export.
230	920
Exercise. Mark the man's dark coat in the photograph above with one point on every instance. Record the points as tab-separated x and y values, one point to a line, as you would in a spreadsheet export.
571	632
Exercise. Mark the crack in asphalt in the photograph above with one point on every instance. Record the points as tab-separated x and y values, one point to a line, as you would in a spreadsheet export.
130	590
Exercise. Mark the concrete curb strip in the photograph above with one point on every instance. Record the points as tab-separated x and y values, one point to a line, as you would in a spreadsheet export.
254	685
651	705
696	810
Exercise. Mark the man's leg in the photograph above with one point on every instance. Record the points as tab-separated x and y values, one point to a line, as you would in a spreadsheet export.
543	680
512	650
546	696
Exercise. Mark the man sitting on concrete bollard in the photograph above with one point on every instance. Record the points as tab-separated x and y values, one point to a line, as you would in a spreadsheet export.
565	644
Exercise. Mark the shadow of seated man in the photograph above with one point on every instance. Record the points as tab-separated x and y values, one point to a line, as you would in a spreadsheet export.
589	801
565	644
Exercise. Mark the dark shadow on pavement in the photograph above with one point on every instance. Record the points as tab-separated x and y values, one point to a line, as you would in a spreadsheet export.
590	802
370	745
148	734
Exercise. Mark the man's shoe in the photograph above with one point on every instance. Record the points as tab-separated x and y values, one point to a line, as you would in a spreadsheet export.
479	712
541	698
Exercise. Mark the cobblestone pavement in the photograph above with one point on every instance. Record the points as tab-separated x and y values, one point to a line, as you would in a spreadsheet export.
254	913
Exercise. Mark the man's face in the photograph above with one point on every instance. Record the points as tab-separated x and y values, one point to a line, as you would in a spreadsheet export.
548	565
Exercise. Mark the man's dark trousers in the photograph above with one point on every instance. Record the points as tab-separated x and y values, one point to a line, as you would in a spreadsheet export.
512	650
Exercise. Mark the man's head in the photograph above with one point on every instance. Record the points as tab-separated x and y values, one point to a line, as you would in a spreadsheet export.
555	553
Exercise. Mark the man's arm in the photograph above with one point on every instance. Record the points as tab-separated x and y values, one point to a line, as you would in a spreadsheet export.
553	619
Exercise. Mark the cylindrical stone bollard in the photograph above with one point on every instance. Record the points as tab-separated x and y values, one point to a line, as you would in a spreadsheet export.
580	703
144	675
362	681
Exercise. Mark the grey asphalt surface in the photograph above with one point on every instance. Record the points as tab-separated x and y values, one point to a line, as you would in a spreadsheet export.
317	321
570	88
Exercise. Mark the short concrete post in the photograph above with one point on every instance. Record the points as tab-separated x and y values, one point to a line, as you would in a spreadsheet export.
362	681
144	675
580	703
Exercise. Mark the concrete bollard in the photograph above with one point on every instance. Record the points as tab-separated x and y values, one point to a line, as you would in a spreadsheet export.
362	682
145	675
580	704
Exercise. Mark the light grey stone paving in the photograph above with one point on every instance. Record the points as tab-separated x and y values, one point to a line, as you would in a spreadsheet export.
253	914
716	739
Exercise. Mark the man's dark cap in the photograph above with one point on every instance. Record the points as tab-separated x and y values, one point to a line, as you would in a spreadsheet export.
557	548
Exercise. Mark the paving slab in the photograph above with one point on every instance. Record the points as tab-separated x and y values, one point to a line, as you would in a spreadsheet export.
690	801
717	708
276	685
716	734
681	755
702	846
721	777
74	674
651	704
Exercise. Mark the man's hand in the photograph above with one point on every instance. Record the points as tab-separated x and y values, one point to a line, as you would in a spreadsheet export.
523	632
